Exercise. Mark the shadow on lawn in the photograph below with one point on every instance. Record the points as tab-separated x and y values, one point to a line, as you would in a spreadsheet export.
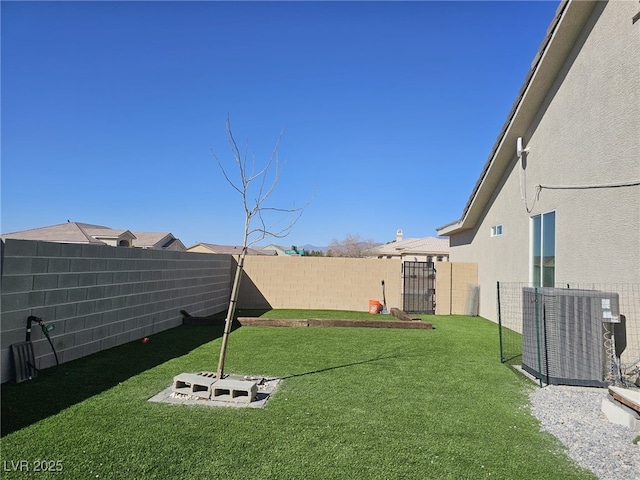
346	365
57	388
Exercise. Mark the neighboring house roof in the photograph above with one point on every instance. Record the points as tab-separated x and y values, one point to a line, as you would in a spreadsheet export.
567	25
228	249
76	232
426	245
69	232
273	249
105	233
158	240
276	249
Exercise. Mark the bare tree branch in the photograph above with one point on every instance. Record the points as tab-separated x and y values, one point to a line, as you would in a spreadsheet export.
254	211
351	246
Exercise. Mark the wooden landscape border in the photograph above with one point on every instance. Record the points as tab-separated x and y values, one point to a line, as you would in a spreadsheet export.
317	322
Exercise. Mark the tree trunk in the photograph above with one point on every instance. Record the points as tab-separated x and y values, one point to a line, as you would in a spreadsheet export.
235	291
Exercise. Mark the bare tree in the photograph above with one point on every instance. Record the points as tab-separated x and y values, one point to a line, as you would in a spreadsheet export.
255	187
351	246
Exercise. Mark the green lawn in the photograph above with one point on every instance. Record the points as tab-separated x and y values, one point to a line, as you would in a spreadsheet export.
355	403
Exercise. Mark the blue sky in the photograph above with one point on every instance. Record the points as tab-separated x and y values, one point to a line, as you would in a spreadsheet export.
111	110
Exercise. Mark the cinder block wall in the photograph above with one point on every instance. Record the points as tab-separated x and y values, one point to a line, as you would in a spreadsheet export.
454	283
98	296
319	282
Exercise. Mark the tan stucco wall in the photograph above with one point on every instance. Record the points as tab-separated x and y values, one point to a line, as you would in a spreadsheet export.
319	282
585	133
454	283
345	283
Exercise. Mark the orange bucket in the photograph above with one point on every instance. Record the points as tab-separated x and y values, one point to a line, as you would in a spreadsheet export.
375	306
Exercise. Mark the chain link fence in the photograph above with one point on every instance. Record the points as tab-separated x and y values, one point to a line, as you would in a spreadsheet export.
572	334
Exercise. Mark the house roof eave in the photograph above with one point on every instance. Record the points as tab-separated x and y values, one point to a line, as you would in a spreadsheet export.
562	33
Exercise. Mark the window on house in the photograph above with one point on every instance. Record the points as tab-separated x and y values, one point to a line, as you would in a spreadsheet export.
496	230
543	250
439	259
429	259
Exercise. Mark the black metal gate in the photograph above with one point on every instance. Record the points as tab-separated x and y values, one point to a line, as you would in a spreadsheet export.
419	287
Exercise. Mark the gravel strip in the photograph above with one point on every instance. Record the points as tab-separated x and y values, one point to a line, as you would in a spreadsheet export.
574	416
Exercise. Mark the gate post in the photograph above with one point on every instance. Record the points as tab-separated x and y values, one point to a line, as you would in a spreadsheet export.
537	312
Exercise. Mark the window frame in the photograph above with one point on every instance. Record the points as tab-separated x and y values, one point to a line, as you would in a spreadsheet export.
542	249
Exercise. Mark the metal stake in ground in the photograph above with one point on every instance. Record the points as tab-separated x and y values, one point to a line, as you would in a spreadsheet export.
384	301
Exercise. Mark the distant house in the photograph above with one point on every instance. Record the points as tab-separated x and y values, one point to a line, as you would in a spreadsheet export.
85	233
228	249
427	249
109	236
273	249
158	241
558	200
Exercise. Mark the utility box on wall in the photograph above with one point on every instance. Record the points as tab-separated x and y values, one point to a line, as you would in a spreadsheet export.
566	335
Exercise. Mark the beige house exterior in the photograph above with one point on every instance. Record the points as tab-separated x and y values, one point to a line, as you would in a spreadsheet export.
572	181
224	249
158	241
427	249
273	249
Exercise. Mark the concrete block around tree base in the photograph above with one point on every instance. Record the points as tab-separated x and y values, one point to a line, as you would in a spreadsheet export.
195	384
205	385
234	391
266	387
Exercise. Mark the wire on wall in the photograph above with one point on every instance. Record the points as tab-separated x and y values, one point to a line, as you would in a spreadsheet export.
523	191
539	188
633	183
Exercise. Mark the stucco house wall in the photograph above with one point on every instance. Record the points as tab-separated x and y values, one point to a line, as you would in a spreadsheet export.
582	133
